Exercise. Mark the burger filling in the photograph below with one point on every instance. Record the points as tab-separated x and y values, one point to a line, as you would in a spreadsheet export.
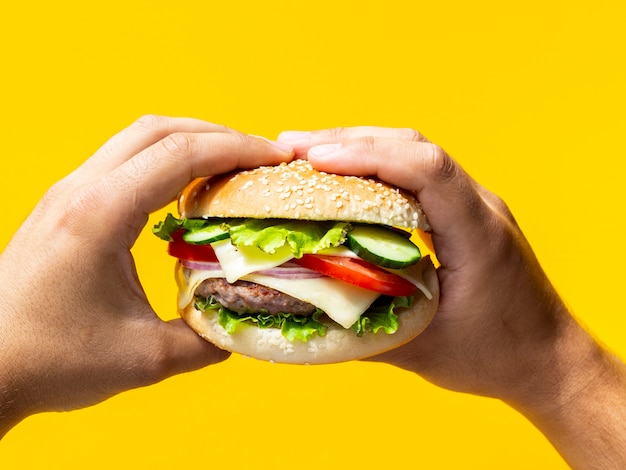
298	276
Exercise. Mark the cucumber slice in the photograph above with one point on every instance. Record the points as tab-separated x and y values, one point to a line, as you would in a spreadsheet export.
383	247
205	235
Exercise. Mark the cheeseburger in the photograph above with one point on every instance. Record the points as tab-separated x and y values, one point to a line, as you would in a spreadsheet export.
288	264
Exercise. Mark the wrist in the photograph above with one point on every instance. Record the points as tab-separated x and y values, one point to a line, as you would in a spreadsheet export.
13	406
14	368
578	401
560	369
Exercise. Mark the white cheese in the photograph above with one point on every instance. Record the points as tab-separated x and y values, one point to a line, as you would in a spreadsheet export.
342	302
188	281
239	261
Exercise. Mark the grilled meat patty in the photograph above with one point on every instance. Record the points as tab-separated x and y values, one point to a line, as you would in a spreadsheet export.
248	297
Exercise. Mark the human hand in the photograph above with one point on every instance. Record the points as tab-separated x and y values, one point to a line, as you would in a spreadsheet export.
75	324
500	321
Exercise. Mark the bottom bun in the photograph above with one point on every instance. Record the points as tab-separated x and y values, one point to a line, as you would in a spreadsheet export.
338	345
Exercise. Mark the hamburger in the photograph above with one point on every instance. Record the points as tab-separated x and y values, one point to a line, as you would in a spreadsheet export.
289	264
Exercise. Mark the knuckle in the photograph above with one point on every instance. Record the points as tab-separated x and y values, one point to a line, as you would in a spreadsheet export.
439	165
80	207
177	144
368	144
337	133
54	193
413	135
409	134
500	206
150	122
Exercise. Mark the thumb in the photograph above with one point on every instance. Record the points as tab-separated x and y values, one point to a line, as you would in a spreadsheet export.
188	351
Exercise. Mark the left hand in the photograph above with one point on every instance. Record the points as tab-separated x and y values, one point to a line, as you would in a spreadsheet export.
75	324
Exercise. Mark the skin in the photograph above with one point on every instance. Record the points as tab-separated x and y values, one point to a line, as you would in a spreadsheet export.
64	344
516	339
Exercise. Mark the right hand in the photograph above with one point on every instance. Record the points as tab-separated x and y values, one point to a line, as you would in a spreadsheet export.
501	329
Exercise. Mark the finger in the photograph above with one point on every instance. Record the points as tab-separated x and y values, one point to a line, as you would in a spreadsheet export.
301	141
141	134
187	351
448	195
154	177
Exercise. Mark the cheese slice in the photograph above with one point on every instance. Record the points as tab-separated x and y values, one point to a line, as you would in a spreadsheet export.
239	261
344	303
188	281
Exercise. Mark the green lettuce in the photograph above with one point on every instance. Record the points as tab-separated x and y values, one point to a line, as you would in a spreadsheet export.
166	228
293	327
381	314
302	328
301	236
267	234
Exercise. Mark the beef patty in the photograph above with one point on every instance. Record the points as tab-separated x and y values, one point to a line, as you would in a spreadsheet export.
248	297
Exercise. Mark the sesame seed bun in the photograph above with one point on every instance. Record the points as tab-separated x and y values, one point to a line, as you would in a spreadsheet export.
297	191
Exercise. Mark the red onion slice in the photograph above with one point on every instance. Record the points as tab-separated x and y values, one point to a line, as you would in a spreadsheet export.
202	265
284	271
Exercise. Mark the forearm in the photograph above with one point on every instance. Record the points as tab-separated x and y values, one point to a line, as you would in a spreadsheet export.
582	409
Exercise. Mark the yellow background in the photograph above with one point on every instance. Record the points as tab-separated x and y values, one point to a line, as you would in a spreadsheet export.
528	96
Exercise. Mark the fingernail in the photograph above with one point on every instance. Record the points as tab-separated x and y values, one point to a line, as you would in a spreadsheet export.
294	136
324	150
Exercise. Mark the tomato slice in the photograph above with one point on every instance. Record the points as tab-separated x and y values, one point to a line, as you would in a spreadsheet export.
357	272
183	250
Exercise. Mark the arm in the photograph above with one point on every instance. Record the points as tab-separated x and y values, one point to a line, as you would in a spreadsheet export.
75	325
501	329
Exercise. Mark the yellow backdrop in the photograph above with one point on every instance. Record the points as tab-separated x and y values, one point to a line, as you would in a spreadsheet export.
528	96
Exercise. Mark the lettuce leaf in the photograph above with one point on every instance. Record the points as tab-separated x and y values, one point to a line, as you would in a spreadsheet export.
267	234
293	327
381	314
302	328
166	228
301	236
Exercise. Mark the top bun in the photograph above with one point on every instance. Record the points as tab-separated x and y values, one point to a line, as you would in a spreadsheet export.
296	190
